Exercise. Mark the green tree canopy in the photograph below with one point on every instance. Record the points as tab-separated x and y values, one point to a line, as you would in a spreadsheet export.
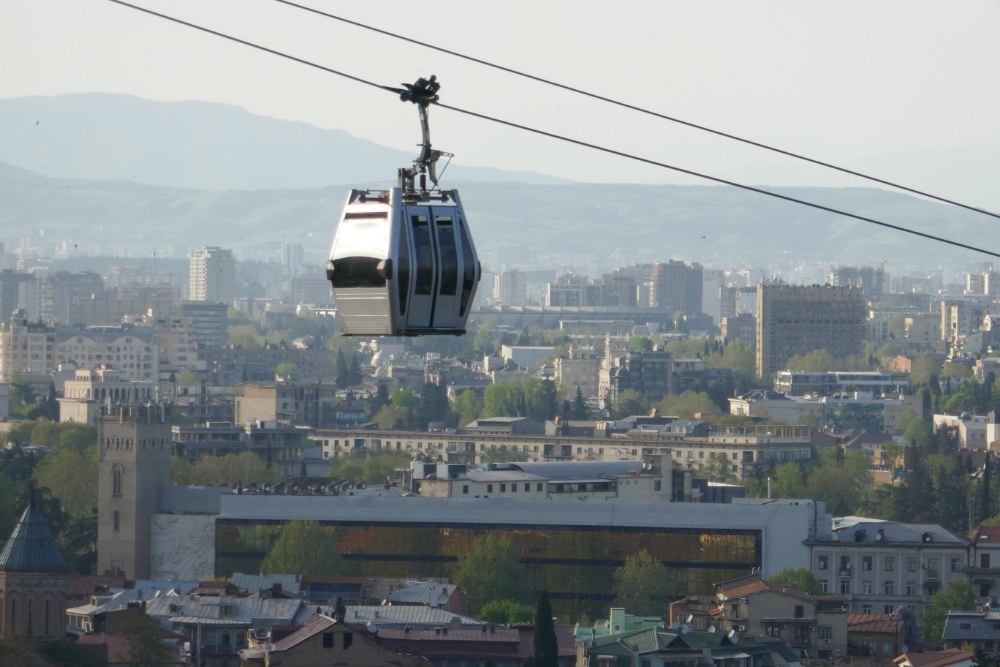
506	612
492	570
802	579
687	405
467	407
643	585
305	547
956	596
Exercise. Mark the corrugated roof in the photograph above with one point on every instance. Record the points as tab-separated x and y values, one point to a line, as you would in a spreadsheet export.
31	547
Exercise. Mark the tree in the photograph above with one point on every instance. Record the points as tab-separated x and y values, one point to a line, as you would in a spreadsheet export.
956	596
286	369
342	379
492	570
143	645
305	547
643	585
718	469
579	409
506	612
687	405
801	579
629	403
467	407
546	646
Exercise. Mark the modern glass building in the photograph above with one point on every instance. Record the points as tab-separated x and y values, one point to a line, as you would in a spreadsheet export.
570	550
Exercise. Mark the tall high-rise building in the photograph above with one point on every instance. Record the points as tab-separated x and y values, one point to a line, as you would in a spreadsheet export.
212	275
677	287
510	288
795	320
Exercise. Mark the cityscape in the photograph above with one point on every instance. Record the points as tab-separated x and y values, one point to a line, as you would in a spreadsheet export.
827	444
687	356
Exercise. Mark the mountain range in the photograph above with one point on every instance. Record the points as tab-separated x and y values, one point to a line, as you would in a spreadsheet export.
103	172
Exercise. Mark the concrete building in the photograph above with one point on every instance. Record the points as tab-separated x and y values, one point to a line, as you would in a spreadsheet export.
795	320
302	403
90	388
742	327
872	279
882	565
212	275
26	347
510	288
971	430
754	607
132	350
582	374
800	383
62	288
677	287
636	480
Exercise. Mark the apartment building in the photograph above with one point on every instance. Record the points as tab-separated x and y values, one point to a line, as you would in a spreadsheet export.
795	320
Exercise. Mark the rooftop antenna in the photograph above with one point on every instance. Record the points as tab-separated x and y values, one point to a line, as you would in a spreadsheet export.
423	92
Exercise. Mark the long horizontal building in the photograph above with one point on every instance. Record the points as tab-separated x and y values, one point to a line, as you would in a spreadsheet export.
569	549
690	444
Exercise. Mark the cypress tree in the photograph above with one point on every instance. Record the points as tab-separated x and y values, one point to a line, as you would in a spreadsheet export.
546	645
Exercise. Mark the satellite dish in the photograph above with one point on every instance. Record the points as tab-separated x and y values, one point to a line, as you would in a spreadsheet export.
733	637
711	628
905	648
690	618
372	628
685	629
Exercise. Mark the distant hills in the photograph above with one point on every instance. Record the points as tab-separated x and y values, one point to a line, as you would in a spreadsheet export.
107	171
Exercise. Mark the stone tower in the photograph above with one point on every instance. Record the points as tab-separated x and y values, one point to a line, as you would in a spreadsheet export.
135	447
33	576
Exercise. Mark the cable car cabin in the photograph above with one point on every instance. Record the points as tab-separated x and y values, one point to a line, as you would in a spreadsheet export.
403	264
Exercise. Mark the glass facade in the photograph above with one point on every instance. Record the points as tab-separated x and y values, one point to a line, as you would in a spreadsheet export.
574	564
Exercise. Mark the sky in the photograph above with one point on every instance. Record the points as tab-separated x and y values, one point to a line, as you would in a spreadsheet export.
903	89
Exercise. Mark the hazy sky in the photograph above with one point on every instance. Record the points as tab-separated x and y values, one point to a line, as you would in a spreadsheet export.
892	85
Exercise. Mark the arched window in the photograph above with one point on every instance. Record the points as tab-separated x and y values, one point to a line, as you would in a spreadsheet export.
116	480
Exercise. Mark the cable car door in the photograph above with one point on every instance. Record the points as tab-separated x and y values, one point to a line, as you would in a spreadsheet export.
423	287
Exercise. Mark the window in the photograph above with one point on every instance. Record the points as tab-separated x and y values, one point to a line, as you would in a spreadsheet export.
656	485
823	562
527	487
911	588
116	480
866	587
465	488
503	488
114	521
866	563
824	586
799	611
890	564
845	587
984	560
489	488
887	609
953	565
845	565
449	256
866	609
824	632
889	587
773	630
911	564
348	640
734	609
327	640
425	255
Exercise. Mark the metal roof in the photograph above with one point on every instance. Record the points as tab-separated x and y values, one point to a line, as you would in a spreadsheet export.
31	547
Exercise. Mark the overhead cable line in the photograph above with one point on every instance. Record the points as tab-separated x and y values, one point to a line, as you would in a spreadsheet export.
639	109
563	138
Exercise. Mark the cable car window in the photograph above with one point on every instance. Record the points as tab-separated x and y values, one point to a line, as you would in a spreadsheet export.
357	272
425	255
468	268
449	256
403	270
366	215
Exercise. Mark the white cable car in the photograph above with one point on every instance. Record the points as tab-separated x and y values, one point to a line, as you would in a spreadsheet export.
402	261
